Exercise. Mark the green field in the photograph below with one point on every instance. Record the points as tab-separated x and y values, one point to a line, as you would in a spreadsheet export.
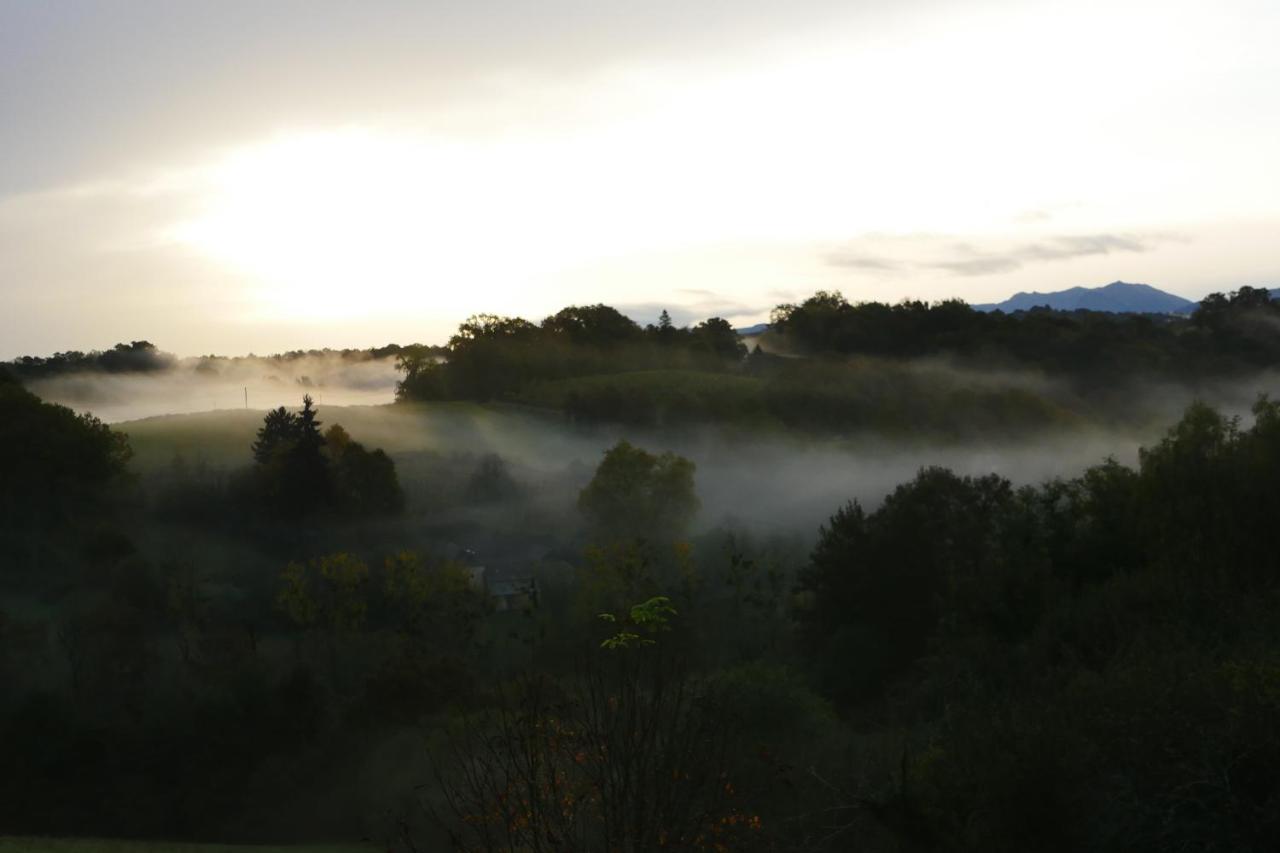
223	438
98	845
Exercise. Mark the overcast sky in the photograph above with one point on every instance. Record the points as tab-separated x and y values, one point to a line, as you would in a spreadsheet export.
232	176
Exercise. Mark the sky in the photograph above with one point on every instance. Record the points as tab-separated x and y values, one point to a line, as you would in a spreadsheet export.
253	176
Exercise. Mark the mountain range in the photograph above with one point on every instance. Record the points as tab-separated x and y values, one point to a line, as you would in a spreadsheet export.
1118	297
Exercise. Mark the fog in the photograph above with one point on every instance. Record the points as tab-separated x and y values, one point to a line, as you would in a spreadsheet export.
764	480
768	483
210	384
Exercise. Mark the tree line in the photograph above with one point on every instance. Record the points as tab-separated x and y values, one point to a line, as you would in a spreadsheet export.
851	367
1225	334
145	357
133	357
493	357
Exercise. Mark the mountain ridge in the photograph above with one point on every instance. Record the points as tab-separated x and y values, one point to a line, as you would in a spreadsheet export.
1118	297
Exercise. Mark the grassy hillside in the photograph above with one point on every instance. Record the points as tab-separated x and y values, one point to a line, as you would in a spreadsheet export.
223	438
819	398
657	397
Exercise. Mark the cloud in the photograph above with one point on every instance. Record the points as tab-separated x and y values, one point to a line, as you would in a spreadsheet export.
930	252
1092	244
977	266
855	260
1053	249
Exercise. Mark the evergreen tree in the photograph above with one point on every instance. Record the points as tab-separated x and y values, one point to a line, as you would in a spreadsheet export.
279	432
309	481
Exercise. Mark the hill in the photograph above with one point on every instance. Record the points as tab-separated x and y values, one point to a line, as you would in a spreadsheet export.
1118	297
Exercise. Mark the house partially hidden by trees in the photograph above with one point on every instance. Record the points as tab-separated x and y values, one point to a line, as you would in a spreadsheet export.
506	587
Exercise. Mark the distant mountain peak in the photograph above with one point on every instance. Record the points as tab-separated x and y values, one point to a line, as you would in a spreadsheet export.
1118	297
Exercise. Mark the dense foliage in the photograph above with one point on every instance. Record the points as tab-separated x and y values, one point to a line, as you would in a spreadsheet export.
493	357
1092	662
1227	333
53	459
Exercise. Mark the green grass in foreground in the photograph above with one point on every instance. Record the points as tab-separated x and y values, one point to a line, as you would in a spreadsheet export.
97	845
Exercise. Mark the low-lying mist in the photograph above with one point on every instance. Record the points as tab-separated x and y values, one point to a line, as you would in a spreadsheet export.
768	483
768	480
210	384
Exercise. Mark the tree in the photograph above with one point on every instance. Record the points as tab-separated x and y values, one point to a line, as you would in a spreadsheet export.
435	610
666	333
53	460
436	605
292	471
278	433
328	596
491	481
717	337
637	495
632	754
812	323
300	470
364	482
592	325
136	356
490	356
423	374
937	557
309	435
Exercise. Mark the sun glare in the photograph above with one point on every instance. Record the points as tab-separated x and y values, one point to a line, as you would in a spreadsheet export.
329	224
319	220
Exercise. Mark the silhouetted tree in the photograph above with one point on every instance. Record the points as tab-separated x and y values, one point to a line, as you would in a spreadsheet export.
592	325
277	435
423	375
717	337
52	458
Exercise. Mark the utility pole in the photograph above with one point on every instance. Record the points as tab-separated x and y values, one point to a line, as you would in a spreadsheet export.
246	396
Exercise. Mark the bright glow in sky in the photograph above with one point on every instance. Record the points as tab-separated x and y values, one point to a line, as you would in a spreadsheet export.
935	150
